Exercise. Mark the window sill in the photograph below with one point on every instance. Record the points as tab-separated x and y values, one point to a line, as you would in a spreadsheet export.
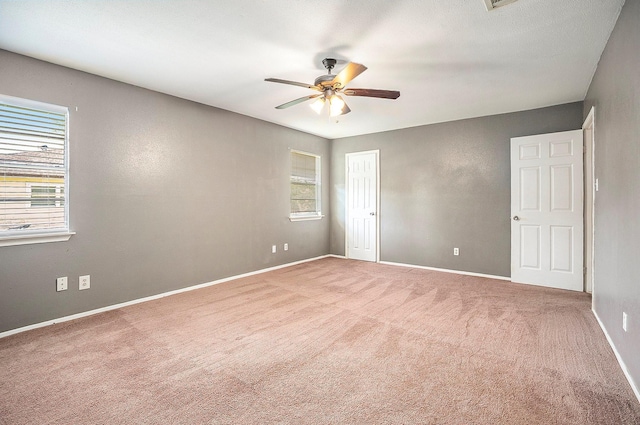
35	238
305	217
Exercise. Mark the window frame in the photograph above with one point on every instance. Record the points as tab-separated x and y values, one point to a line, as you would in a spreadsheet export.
59	234
317	214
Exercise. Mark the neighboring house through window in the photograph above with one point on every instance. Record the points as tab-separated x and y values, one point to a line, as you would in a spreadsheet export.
305	186
33	169
47	196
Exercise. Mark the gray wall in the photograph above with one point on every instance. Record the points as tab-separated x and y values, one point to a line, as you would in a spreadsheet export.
165	193
444	186
615	93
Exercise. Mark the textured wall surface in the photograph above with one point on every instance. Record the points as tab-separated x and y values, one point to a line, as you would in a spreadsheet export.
444	186
165	193
615	93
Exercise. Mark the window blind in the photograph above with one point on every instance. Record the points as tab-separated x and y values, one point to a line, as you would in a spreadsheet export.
304	184
33	166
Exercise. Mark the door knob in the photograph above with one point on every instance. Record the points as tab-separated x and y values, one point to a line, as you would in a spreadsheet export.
516	218
372	213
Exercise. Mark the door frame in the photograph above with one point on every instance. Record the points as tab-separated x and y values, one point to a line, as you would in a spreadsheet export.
376	152
589	130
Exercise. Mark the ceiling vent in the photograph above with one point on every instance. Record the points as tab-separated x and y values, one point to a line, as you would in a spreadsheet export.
493	4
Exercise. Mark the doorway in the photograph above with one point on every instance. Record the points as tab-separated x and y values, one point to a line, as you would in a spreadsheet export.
589	200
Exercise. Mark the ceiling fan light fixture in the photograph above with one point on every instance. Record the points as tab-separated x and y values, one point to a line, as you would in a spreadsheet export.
336	105
318	105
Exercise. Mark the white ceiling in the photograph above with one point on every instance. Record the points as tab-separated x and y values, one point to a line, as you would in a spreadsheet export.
450	59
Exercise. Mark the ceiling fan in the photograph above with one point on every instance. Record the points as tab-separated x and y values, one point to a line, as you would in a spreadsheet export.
331	86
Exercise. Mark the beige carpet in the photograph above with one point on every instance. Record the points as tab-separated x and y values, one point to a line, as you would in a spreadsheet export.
327	342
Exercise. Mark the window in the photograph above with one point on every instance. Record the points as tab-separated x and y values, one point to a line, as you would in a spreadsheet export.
33	172
305	186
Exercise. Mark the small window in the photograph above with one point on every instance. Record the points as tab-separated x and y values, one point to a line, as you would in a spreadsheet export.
305	186
33	168
47	196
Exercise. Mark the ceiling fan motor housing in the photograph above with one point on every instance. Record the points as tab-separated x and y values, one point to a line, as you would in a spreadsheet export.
324	80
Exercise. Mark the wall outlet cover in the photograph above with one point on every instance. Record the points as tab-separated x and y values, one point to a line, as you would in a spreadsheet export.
61	284
84	282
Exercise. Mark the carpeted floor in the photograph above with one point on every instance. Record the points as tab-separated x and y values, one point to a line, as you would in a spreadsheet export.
331	341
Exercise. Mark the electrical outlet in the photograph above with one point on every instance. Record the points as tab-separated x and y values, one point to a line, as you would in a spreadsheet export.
84	282
286	247
61	284
456	251
624	321
273	249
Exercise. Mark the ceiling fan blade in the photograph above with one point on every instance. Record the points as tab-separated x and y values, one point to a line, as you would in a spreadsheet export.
351	71
384	94
295	102
293	83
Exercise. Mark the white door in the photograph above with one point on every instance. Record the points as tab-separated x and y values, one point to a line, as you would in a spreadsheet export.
546	210
362	205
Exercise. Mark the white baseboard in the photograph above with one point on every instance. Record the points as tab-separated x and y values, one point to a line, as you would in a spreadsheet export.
623	366
150	298
489	276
